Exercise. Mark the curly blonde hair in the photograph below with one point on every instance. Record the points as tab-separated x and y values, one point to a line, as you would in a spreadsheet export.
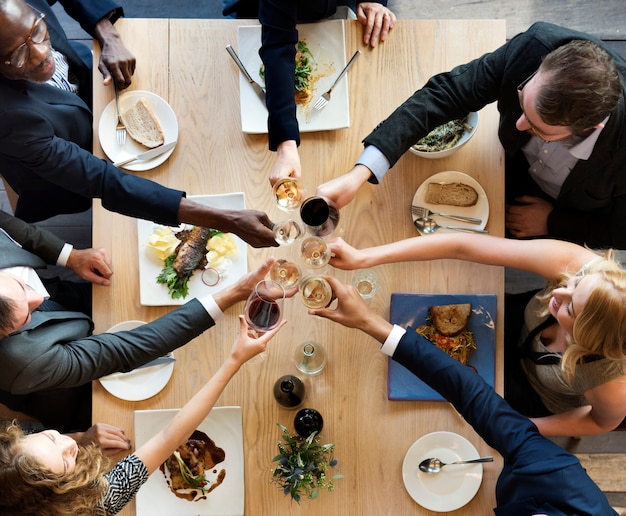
600	327
29	489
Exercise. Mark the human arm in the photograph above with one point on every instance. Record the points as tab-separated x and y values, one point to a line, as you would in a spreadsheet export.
606	410
161	446
377	21
110	439
528	255
287	162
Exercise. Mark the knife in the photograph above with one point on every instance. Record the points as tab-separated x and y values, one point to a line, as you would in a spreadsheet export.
145	156
157	361
260	91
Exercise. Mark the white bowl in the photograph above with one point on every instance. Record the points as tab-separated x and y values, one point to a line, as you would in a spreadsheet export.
472	119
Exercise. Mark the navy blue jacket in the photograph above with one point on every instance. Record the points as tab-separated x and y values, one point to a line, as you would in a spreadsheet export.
538	477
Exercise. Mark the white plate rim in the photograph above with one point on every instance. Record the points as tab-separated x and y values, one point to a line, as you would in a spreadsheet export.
226	419
480	210
139	384
331	35
153	294
448	447
108	120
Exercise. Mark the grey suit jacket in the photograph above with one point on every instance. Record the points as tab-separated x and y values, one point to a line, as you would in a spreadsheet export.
57	349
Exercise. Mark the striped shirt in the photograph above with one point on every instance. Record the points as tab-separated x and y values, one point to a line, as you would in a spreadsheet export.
62	77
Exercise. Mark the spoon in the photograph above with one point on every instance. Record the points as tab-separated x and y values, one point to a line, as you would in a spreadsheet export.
433	466
428	225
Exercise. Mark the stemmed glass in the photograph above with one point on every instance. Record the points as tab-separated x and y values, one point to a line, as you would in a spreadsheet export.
288	193
285	273
320	216
315	252
287	231
316	292
263	307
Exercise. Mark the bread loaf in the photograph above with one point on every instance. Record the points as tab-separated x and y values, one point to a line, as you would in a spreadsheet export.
142	125
453	194
450	320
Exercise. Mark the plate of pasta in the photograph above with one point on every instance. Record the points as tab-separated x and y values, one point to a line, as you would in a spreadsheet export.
323	47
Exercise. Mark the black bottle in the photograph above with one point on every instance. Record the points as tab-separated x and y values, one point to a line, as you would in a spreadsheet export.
307	421
289	391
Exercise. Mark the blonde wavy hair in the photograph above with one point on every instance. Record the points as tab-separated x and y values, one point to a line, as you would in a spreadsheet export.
29	489
600	327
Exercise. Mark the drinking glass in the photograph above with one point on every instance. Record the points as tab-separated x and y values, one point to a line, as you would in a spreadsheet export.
287	231
263	307
310	357
315	252
316	292
320	216
288	193
285	273
366	283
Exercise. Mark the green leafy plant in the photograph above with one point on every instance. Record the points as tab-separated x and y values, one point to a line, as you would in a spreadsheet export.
303	465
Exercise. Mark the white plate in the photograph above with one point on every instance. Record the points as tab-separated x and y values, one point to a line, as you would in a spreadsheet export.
139	384
479	211
224	426
152	293
453	486
108	121
327	43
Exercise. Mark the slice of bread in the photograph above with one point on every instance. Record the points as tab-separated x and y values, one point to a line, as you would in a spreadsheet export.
450	320
142	124
453	194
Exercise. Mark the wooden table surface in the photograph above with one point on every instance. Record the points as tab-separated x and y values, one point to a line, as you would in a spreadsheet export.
184	61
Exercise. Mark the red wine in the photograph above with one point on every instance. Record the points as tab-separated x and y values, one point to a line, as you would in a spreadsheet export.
319	215
264	313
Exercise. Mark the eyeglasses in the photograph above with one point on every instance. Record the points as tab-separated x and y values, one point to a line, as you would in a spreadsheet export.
38	34
533	128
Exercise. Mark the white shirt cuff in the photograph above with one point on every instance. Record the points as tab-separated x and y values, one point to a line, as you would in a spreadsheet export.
392	340
64	254
375	160
211	307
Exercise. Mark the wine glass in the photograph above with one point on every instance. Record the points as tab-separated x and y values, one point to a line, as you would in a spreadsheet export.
287	231
285	273
263	307
320	216
315	252
288	193
316	292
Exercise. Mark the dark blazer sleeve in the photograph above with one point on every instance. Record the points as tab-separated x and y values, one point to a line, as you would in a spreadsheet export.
89	12
35	239
533	465
57	349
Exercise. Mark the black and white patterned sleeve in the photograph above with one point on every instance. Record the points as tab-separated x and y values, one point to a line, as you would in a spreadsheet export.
124	480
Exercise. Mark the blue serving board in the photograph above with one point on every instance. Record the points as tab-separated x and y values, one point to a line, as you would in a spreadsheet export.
411	310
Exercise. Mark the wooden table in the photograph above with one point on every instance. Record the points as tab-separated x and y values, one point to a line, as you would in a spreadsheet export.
184	61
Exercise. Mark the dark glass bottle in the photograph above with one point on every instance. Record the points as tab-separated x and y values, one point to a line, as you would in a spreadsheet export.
307	421
289	391
320	216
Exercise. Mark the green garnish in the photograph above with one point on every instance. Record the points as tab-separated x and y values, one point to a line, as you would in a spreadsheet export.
303	67
176	286
194	481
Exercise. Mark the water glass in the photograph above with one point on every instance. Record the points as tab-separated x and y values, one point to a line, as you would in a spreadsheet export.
366	283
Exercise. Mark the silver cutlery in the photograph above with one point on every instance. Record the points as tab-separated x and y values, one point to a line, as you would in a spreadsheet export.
145	156
433	465
120	128
430	226
321	102
419	211
259	90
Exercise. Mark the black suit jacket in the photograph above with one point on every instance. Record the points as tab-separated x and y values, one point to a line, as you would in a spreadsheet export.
46	140
591	208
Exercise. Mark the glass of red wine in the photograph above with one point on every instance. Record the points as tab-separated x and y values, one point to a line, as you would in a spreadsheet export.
263	310
320	216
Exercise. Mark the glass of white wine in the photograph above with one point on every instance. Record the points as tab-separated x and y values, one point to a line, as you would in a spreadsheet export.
285	273
286	232
315	252
316	292
288	193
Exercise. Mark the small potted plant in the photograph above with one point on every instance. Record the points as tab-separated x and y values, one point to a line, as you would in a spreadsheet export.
302	465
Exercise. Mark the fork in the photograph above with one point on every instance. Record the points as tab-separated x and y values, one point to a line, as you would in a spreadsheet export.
120	128
321	102
421	212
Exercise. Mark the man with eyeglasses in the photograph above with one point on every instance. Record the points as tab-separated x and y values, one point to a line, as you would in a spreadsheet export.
560	94
46	132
